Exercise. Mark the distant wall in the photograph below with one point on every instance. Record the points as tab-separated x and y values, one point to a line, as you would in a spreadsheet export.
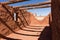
35	21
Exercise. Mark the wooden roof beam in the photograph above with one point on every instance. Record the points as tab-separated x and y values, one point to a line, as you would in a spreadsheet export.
32	5
35	7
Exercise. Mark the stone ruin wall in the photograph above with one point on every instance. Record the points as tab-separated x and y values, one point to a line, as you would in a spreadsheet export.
7	22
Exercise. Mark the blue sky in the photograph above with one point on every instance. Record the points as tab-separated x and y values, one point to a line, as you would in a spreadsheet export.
40	11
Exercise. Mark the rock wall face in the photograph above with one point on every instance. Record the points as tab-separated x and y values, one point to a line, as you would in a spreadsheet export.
7	23
45	21
55	24
24	16
34	20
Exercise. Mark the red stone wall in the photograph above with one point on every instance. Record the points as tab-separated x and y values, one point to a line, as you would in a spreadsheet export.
24	16
44	22
7	22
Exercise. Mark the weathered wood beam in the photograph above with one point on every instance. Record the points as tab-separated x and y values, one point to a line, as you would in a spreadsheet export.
39	4
12	2
36	7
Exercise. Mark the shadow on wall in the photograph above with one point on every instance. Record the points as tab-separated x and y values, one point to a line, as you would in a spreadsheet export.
46	34
7	38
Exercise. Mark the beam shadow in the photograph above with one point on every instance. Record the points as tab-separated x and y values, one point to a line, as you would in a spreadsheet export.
7	38
18	17
7	10
24	17
2	21
10	14
46	34
21	21
36	26
14	31
32	28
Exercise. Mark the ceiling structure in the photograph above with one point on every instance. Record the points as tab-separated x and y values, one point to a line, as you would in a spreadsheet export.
29	6
35	6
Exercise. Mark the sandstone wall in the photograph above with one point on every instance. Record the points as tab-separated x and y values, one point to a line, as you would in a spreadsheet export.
35	21
45	21
7	23
25	16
